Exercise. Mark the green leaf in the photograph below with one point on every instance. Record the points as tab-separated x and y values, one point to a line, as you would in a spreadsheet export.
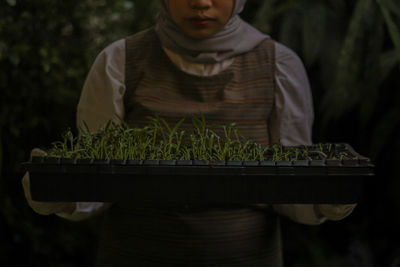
393	29
390	5
314	29
177	125
290	28
264	16
345	94
1	155
12	2
371	72
384	129
387	62
286	6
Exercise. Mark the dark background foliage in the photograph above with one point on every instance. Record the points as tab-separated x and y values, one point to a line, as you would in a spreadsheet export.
351	50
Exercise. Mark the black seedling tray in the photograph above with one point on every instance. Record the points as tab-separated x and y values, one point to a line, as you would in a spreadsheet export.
179	182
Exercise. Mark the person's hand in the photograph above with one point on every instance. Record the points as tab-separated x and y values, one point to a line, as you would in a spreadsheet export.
334	212
45	208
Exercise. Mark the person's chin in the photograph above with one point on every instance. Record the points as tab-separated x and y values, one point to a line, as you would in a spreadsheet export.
200	34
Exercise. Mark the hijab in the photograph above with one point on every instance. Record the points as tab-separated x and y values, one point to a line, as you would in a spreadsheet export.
235	37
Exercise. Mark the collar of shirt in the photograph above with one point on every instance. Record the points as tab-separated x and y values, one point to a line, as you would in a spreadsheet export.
198	69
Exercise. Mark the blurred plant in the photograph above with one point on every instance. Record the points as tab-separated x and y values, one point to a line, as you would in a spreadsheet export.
46	50
351	52
352	49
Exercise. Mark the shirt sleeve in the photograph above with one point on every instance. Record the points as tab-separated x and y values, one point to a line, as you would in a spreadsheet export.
291	120
101	100
102	94
292	116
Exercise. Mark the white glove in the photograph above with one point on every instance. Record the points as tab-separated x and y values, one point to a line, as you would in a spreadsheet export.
334	212
45	208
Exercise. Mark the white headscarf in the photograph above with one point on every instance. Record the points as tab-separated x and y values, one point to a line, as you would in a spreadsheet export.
235	37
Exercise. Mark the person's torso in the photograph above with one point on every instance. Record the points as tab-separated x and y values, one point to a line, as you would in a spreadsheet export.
194	236
243	93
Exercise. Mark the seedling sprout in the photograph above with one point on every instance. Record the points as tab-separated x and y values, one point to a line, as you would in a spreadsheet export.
159	140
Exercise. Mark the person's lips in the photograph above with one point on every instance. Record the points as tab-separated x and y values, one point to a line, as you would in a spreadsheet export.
201	20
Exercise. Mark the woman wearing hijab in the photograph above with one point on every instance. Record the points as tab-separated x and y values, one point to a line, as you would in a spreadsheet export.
200	58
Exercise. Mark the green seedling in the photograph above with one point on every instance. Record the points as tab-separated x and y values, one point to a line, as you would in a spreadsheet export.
159	140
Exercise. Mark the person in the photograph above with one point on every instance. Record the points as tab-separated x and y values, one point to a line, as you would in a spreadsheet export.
200	57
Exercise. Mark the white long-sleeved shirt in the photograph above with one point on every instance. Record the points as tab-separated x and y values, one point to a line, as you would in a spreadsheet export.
291	120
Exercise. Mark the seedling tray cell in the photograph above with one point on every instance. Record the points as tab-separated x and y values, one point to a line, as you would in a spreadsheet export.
182	182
